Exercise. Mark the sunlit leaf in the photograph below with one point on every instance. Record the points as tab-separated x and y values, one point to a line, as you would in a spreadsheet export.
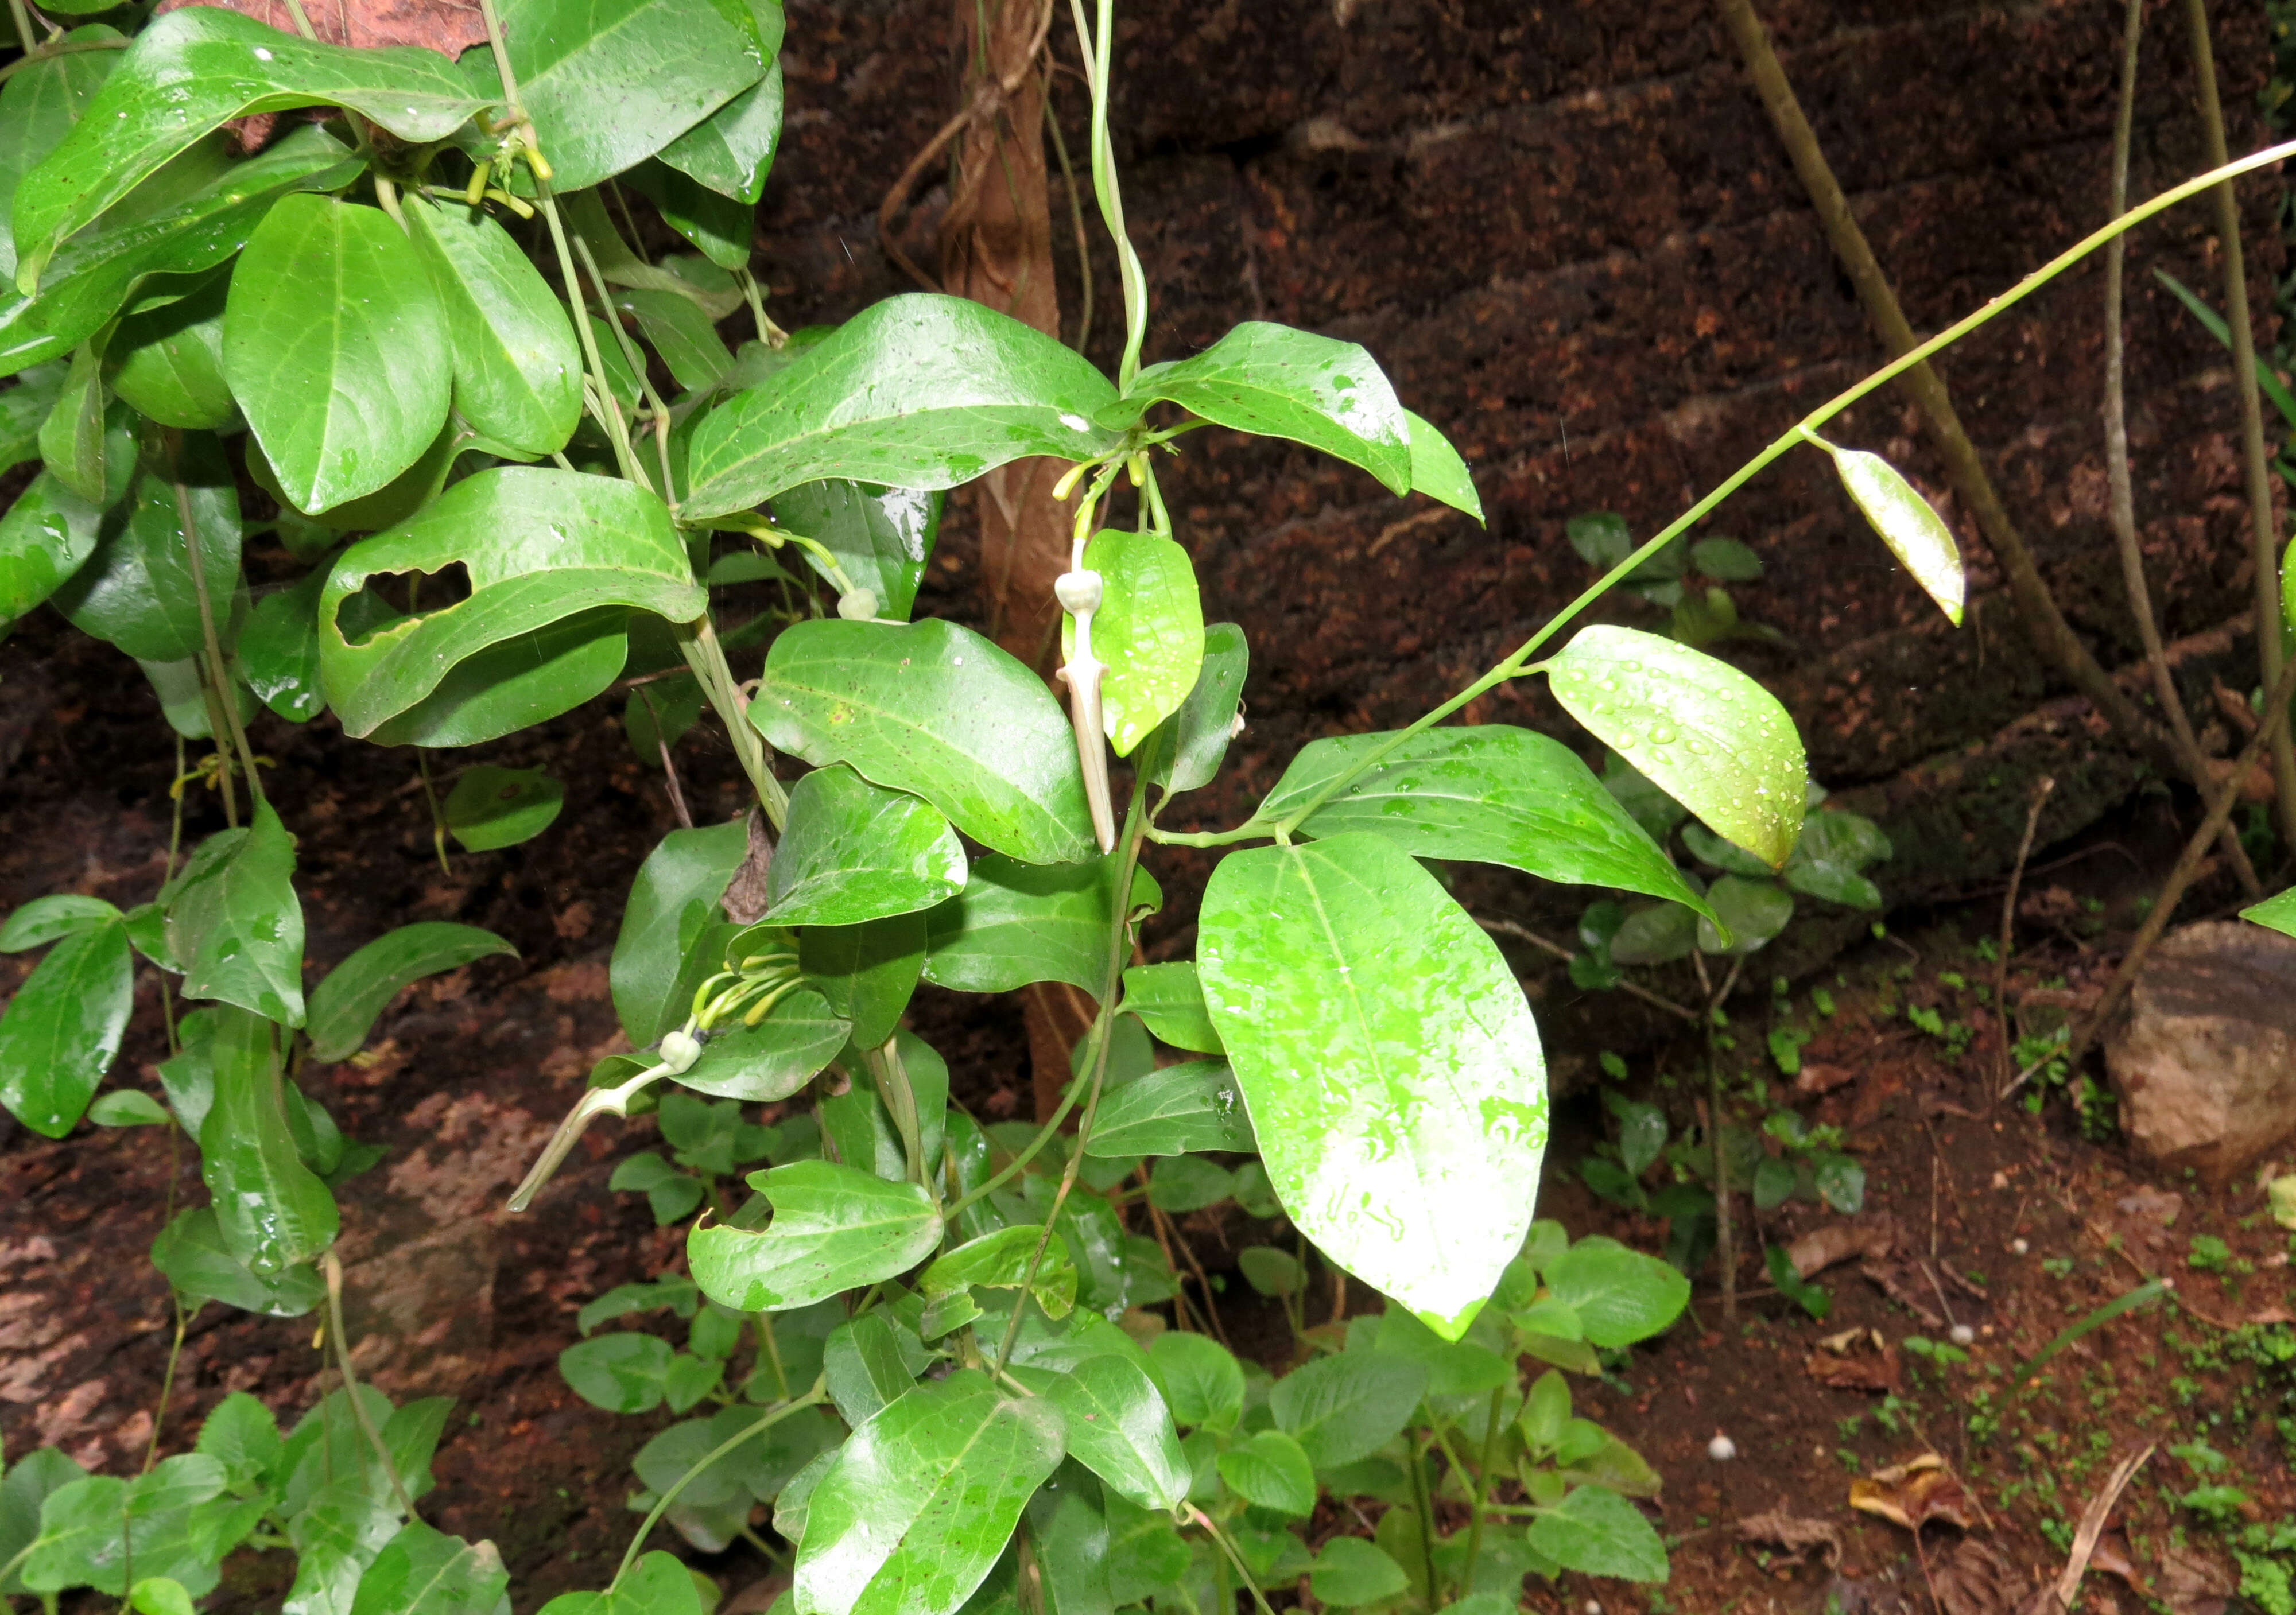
1916	535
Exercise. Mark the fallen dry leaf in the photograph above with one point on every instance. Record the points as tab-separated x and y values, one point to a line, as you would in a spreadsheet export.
2191	1583
448	27
1897	1282
2158	1206
1797	1535
1822	1247
1913	1494
1973	1579
1856	1359
2111	1556
1820	1079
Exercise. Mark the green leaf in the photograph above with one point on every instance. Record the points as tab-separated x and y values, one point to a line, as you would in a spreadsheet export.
721	226
61	1030
717	1498
882	536
279	651
26	405
160	1595
41	103
73	440
517	367
1351	1572
681	333
235	923
191	72
1346	1408
1620	1295
1596	1532
659	1584
922	392
1119	1428
554	558
936	710
666	946
867	1364
1490	793
1200	1379
1726	856
1149	631
88	1527
344	1007
29	1481
422	1571
270	1211
127	1108
492	808
2279	913
1833	883
1188	1183
45	536
1642	1131
913	1514
168	363
1755	911
1269	1470
1916	535
732	150
1659	934
52	919
1015	923
834	1228
1711	737
621	1373
1841	1183
336	349
242	1433
660	66
136	591
854	852
1206	720
1169	1002
191	1255
1278	382
1006	1260
1389	1063
867	972
387	508
1437	471
1727	559
1171	1112
774	1058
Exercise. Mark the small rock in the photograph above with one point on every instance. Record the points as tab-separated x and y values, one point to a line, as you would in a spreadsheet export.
2204	1059
1962	1334
1721	1449
2018	1247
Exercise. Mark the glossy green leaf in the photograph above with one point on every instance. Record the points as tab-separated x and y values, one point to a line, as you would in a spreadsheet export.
136	590
1268	1271
279	650
1173	1111
24	406
345	1005
127	1108
61	1030
2277	912
660	954
73	438
271	1211
190	72
336	349
492	808
554	559
834	1228
915	1511
1169	1002
168	363
160	1595
855	852
1015	923
424	1571
167	1522
681	333
1490	793
45	538
40	103
1269	1470
936	710
621	1373
517	367
867	973
235	923
386	507
30	1480
774	1058
188	218
1437	471
1659	934
1119	1428
1345	1407
659	1584
1149	632
1200	1378
52	919
1391	1065
1916	535
721	228
190	1253
732	150
1006	1260
868	1365
1206	720
1707	735
1754	911
661	66
1188	1183
1596	1532
336	1535
182	699
882	536
1278	382
922	392
1620	1295
1727	559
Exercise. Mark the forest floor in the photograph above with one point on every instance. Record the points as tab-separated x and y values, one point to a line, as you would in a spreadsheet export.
1976	1212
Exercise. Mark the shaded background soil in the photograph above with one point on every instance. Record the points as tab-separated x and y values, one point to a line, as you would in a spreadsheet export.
1567	232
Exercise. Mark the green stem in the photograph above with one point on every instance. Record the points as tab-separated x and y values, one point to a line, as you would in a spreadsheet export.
818	1394
167	1380
334	1272
698	640
1483	1487
302	23
227	698
892	1080
1096	48
495	39
630	357
1229	1550
1921	353
1426	1501
608	409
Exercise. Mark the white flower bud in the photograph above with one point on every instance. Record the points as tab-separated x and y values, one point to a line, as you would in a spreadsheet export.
679	1051
1077	592
1721	1449
858	606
